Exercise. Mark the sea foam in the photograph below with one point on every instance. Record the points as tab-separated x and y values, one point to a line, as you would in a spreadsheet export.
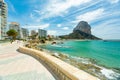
110	74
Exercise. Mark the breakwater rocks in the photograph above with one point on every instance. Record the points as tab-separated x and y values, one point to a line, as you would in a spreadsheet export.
88	65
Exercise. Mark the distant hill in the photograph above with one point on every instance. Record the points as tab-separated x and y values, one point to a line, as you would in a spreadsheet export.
81	31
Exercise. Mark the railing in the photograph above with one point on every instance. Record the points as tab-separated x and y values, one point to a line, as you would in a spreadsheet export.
62	70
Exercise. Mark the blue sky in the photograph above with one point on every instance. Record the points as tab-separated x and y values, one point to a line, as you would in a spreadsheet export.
59	17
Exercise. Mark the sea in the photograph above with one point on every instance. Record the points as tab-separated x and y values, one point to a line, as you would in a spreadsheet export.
105	53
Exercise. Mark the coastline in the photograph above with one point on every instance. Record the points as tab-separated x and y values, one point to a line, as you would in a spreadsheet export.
90	67
61	68
84	65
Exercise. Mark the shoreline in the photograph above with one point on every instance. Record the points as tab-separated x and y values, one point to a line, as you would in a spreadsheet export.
88	66
61	68
99	71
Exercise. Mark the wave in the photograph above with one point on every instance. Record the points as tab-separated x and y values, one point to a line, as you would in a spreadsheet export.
54	45
61	46
108	73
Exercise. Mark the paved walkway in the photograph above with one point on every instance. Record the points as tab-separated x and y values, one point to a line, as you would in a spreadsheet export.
18	66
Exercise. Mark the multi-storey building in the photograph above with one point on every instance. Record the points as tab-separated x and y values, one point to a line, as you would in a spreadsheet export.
42	33
33	32
3	19
25	33
16	27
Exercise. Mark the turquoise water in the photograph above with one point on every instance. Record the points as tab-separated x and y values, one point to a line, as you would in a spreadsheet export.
105	53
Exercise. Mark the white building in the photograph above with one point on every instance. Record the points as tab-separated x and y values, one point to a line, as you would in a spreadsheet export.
42	33
16	27
3	19
25	33
33	32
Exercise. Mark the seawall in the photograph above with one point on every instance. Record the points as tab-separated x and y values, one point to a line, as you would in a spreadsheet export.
62	69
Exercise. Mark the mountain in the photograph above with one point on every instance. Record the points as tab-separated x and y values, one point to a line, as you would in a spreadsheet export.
81	31
83	26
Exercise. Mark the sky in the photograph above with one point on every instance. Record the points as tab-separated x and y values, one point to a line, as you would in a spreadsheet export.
60	17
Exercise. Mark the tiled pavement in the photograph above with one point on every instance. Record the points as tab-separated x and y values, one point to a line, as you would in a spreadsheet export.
18	66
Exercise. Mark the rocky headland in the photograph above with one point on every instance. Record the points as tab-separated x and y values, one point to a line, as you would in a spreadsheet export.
81	31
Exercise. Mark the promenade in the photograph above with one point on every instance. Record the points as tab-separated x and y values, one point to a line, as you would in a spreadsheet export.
17	66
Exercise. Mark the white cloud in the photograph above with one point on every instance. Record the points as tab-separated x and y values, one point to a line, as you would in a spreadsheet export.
107	30
37	11
13	9
32	1
59	25
11	6
59	7
113	1
65	28
44	26
52	32
37	26
31	16
34	16
89	16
